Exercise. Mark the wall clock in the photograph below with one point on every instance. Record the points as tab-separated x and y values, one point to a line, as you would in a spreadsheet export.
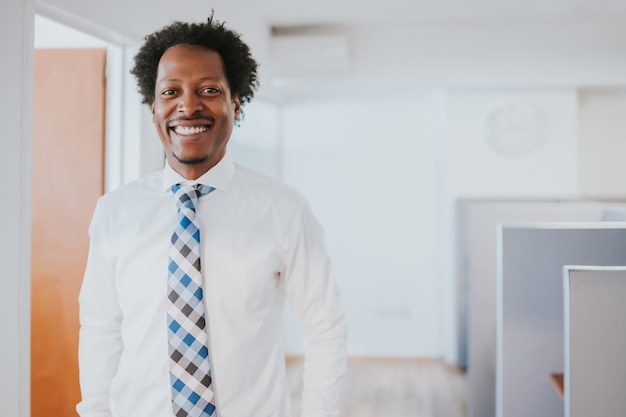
512	129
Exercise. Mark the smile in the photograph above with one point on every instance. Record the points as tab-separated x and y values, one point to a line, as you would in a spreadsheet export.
190	130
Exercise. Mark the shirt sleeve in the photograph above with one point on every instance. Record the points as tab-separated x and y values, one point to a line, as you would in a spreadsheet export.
100	343
312	294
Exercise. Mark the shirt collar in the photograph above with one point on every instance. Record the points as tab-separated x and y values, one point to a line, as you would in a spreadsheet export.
220	176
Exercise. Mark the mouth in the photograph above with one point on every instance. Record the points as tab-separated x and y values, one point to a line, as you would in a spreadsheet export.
186	127
189	130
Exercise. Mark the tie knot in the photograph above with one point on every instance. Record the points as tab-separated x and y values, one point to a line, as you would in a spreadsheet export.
187	195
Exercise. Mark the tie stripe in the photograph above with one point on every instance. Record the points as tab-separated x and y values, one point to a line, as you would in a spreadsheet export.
190	373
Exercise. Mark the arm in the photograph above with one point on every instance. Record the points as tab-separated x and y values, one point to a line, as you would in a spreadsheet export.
100	342
312	294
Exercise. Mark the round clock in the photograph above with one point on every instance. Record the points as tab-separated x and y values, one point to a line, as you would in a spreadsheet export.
512	129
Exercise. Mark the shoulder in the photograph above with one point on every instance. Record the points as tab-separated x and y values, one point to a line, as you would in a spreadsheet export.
137	194
268	199
136	189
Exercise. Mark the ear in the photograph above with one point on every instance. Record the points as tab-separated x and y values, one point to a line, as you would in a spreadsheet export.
152	110
237	107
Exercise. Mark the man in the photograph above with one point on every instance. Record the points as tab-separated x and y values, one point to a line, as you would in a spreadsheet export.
181	308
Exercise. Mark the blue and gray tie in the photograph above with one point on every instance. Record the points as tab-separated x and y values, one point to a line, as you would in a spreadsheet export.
190	373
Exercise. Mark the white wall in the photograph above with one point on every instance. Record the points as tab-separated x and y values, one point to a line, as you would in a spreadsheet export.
382	172
473	169
367	165
549	168
479	67
256	142
602	142
16	69
51	34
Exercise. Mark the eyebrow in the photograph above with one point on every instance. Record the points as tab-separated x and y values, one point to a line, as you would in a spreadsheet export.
178	79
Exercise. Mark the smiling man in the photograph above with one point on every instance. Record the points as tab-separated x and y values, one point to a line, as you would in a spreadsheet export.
193	108
189	267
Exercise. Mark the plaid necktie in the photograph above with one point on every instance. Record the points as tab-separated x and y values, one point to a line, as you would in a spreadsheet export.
190	373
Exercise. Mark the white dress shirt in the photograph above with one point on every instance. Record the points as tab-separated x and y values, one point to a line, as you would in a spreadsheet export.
260	246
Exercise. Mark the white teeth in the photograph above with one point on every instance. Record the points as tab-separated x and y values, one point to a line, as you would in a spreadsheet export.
189	130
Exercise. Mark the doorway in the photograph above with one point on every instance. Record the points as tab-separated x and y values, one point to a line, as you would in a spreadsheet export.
68	178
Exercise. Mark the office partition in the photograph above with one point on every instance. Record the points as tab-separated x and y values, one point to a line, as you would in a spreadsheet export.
477	224
595	341
530	323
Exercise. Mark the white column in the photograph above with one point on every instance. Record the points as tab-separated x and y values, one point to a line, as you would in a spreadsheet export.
16	69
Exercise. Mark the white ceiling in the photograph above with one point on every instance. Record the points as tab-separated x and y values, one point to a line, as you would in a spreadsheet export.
395	42
135	18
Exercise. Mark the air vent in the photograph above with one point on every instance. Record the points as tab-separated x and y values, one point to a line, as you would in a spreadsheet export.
307	56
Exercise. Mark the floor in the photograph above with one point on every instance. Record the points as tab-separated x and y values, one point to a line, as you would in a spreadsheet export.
393	388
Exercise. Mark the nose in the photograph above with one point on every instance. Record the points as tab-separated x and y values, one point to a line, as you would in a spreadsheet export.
189	103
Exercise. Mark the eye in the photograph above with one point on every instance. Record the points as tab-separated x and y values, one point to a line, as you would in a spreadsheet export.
168	92
211	91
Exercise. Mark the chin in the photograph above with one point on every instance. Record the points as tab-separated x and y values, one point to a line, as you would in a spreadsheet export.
191	161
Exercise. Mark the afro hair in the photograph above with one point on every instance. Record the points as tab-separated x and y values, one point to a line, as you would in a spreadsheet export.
240	67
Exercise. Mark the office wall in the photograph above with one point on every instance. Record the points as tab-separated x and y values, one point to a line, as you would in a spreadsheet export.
476	170
477	71
367	165
602	142
16	33
383	171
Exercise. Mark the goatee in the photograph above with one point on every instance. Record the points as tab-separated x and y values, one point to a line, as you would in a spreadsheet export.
192	161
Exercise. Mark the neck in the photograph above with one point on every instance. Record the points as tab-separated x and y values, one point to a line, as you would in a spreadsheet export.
190	171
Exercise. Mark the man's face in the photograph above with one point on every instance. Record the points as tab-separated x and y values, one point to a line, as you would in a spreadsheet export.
193	110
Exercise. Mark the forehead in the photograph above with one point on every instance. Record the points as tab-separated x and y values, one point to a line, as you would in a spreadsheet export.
190	61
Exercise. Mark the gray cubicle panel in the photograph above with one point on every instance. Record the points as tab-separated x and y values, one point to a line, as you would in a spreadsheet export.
529	345
595	341
477	224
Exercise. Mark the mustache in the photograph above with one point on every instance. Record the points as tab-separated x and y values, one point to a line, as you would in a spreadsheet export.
204	119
